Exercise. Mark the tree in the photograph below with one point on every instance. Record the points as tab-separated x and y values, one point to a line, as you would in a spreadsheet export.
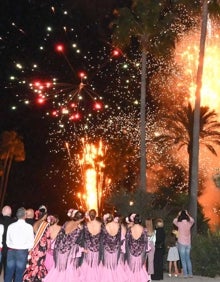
149	22
179	131
214	7
11	148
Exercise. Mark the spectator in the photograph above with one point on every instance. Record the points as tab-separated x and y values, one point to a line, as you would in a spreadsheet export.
172	256
20	238
184	222
5	220
151	239
36	269
179	264
30	216
159	250
1	236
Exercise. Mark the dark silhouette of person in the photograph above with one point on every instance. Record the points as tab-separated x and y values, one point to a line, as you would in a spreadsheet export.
159	250
5	219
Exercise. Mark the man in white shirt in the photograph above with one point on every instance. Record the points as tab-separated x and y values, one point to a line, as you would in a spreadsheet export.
1	238
20	238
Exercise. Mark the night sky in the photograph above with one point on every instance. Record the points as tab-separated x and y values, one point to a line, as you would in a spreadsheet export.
29	33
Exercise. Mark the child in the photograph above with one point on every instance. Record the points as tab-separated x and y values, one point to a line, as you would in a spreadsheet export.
173	256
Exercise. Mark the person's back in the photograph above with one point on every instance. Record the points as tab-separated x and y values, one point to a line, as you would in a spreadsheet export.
112	228
136	250
151	239
54	230
184	230
136	231
184	222
159	250
1	237
18	235
5	220
36	266
19	239
93	225
112	263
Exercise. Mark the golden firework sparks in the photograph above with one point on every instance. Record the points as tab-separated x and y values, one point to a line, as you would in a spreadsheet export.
92	165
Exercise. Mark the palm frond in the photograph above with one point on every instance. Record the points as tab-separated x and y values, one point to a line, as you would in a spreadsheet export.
211	149
214	8
178	128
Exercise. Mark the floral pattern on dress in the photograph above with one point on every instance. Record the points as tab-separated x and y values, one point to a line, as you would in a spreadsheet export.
137	246
112	243
36	269
65	241
67	249
92	242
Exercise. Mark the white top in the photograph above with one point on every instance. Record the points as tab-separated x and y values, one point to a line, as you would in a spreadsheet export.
1	234
152	238
20	235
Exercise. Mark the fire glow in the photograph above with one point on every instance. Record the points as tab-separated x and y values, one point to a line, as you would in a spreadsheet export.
187	53
92	164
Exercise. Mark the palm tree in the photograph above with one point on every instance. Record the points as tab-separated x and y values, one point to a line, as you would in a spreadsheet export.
148	22
212	6
178	129
11	148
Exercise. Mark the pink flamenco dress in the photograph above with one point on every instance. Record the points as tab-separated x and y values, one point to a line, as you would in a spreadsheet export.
136	254
67	253
113	269
90	271
49	261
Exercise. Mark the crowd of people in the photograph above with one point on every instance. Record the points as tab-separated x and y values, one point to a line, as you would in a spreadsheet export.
35	247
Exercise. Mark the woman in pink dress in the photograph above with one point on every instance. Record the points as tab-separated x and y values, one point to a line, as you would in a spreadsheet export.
136	251
53	231
67	250
36	269
113	238
90	269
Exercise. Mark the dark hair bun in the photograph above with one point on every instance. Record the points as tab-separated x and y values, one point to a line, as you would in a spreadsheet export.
137	219
79	215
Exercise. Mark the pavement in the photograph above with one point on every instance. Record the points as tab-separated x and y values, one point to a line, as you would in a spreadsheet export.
193	279
166	278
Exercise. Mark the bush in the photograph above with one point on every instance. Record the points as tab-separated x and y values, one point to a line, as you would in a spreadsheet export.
206	254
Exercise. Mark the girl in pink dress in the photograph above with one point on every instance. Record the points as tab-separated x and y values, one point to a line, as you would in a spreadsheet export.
90	269
112	246
67	250
136	251
53	231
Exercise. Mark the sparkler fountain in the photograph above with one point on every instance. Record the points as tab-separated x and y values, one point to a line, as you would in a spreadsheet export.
92	164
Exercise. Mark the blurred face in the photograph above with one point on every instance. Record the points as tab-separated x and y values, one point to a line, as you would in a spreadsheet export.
159	224
29	213
6	211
